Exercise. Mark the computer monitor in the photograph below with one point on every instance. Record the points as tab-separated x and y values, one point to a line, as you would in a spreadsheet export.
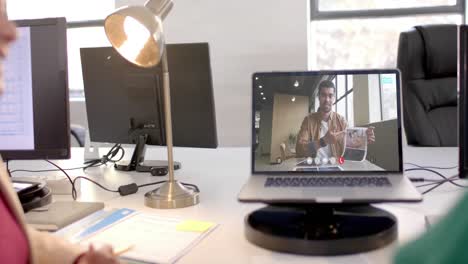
34	109
124	102
463	100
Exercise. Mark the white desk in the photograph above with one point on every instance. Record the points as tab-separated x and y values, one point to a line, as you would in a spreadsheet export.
220	174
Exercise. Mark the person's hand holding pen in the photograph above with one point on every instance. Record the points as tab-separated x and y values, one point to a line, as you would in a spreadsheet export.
104	255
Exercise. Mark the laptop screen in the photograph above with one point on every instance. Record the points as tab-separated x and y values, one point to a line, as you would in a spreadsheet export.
326	122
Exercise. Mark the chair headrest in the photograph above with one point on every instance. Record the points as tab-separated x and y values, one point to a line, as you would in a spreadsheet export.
440	43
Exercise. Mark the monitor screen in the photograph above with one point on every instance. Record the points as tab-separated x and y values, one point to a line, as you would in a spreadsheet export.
326	121
123	100
34	115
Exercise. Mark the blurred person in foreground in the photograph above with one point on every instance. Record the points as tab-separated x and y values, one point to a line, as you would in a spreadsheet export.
19	243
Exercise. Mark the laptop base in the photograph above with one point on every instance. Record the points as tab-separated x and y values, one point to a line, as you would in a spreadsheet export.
321	229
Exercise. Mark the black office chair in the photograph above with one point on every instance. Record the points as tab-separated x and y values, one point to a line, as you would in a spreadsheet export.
427	59
79	133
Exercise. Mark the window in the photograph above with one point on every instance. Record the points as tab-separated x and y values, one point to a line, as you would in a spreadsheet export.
344	97
84	19
388	96
384	108
73	10
257	119
340	5
81	37
350	100
351	34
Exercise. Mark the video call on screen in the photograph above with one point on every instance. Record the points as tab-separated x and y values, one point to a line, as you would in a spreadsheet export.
332	122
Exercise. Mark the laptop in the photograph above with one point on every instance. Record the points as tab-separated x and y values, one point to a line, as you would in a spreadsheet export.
327	137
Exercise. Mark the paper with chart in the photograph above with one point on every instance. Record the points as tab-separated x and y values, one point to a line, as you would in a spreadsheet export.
152	238
355	144
16	108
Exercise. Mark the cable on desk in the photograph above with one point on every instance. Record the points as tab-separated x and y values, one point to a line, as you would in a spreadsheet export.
413	179
108	157
122	190
49	170
428	168
440	183
193	186
436	184
72	182
129	188
453	178
95	182
132	187
69	178
431	167
437	173
432	188
113	152
92	163
151	183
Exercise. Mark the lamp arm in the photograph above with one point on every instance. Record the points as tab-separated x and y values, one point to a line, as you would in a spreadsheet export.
168	116
160	7
164	63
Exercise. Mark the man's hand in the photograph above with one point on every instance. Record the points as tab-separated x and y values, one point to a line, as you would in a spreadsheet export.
104	255
332	137
370	135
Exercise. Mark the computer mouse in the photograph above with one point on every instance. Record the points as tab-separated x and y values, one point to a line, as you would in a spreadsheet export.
309	161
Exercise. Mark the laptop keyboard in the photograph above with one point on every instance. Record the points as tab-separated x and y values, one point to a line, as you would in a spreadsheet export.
318	181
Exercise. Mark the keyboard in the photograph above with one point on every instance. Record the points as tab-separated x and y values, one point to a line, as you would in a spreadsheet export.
319	181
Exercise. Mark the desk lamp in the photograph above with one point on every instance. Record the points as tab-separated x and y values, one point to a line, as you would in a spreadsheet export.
136	32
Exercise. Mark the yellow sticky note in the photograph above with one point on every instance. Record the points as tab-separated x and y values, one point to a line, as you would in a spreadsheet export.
194	226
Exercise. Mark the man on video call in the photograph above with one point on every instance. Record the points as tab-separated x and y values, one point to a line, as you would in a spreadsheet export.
322	133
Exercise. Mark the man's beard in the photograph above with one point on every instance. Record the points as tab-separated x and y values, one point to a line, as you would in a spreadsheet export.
326	109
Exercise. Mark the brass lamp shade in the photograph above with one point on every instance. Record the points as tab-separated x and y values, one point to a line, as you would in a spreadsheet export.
137	34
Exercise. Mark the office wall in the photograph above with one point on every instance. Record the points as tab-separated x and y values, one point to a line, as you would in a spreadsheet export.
361	99
384	151
78	112
366	99
465	21
244	36
264	131
287	119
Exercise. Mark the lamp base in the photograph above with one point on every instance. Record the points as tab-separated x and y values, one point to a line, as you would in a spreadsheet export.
171	195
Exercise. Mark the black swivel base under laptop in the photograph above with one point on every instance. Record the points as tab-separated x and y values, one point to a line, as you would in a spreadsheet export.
321	229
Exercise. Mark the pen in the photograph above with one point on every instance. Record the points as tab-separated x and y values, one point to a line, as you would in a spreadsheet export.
123	250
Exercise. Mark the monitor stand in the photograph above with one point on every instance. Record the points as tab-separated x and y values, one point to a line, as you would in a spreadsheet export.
321	229
139	164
